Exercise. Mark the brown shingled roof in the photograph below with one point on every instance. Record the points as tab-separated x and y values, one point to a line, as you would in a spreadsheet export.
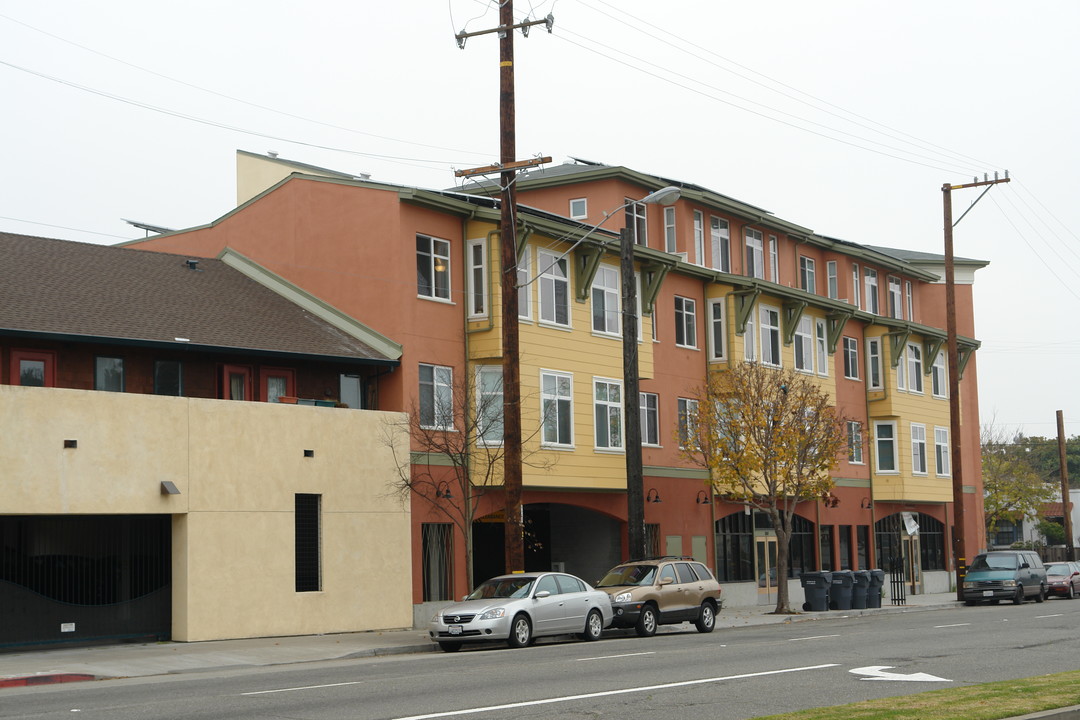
58	287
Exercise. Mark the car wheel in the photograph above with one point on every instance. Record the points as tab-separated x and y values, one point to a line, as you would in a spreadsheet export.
594	626
646	624
520	632
450	646
1072	593
706	619
1041	597
1019	597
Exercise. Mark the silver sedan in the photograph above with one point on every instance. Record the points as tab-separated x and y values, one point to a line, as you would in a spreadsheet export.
517	608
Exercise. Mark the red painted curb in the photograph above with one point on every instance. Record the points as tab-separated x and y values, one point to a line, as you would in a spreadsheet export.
44	679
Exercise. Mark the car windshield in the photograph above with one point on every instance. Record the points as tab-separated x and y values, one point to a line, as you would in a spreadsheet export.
1058	569
629	575
515	587
994	562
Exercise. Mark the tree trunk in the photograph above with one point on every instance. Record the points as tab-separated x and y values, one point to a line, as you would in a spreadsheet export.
783	538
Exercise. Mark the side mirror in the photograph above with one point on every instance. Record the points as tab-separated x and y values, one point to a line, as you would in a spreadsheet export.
1024	565
666	580
541	595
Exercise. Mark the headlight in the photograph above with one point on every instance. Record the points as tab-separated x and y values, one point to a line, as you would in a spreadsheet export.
492	614
623	597
969	585
1008	583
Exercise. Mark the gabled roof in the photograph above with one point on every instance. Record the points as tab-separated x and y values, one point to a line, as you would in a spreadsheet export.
95	293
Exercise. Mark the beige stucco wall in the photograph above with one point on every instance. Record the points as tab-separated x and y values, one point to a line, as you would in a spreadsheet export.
238	467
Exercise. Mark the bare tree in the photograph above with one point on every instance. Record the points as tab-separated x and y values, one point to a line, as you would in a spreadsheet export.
1013	486
768	438
456	454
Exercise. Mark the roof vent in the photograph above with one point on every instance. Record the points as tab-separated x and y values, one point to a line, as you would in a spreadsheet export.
192	264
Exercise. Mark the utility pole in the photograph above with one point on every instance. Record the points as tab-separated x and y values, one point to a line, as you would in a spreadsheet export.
635	508
514	535
959	522
1070	553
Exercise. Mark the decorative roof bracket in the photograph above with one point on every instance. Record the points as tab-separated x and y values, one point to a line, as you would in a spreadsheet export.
964	352
836	320
897	340
587	262
523	235
793	312
652	276
744	305
931	346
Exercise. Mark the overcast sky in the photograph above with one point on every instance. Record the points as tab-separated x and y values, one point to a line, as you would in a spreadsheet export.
844	117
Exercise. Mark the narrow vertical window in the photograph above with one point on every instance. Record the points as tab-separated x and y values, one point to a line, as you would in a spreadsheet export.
478	279
276	383
855	280
822	348
605	301
432	267
524	282
699	238
685	322
871	291
436	397
909	301
670	240
636	220
941	451
236	382
873	363
687	420
109	374
804	343
774	260
650	418
308	540
896	306
489	404
915	368
607	412
918	449
721	244
885	441
855	444
755	261
750	340
554	289
851	358
938	385
168	378
901	370
556	396
808	274
832	280
438	560
717	325
770	336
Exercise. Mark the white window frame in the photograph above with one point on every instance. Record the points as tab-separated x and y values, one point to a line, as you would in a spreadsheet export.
808	274
581	212
769	318
939	385
915	368
755	258
822	347
750	353
720	232
855	442
851	358
870	276
901	370
699	238
524	279
605	297
896	307
891	440
559	398
441	390
856	281
942	464
610	410
910	301
774	260
649	408
489	405
686	321
671	238
717	309
918	449
437	249
875	370
804	345
549	282
478	287
832	281
637	219
687	411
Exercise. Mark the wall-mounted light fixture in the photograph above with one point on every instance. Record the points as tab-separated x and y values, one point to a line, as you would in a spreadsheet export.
442	490
653	496
168	487
702	498
866	503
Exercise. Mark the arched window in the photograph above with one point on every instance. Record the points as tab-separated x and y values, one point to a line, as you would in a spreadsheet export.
888	531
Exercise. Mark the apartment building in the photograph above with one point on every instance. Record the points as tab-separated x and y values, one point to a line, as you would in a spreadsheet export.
721	282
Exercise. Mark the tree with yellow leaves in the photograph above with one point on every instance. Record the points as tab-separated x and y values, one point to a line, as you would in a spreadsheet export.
768	438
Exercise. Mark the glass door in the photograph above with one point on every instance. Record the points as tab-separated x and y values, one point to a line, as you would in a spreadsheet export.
766	568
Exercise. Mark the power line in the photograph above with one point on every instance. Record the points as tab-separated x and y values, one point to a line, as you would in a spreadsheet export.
64	227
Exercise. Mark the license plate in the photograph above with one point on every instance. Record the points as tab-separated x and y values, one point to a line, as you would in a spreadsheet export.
988	593
455	629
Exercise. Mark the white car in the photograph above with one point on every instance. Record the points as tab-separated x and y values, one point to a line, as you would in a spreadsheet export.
517	608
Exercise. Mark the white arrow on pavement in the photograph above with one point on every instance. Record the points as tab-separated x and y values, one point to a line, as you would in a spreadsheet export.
877	672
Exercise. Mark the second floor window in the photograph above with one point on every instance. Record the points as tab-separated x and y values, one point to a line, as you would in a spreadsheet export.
915	368
637	221
918	449
851	358
554	289
436	397
804	343
109	374
808	274
854	435
832	280
755	249
489	404
871	291
885	441
770	336
650	418
937	377
699	238
873	364
432	267
556	396
607	407
168	377
605	301
721	244
671	244
941	451
685	322
896	306
478	279
687	420
717	339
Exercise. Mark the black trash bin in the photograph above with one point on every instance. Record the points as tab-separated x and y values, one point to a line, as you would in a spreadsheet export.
840	590
873	593
859	589
816	586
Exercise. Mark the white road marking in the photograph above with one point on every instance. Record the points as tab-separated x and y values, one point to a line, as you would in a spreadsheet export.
953	625
606	693
877	672
306	687
812	637
612	657
1040	617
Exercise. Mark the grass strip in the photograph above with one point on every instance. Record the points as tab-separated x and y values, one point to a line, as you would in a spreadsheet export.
989	701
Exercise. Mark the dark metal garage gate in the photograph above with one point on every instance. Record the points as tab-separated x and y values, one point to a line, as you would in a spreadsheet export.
84	579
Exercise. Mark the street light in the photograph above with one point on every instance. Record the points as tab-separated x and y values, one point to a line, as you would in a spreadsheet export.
635	508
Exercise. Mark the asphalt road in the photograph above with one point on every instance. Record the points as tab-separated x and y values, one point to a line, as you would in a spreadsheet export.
728	675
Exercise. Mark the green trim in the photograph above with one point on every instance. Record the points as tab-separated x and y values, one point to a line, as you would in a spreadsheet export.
744	305
835	322
586	263
673	472
931	346
429	458
852	482
652	276
324	311
897	340
793	312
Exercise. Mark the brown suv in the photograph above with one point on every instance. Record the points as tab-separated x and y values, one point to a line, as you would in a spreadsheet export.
662	591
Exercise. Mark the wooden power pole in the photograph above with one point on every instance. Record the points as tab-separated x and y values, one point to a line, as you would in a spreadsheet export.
514	531
1069	541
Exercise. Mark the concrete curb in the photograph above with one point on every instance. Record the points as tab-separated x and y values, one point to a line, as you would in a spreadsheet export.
46	679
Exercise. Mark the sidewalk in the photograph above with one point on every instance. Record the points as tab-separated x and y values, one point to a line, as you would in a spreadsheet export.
40	667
